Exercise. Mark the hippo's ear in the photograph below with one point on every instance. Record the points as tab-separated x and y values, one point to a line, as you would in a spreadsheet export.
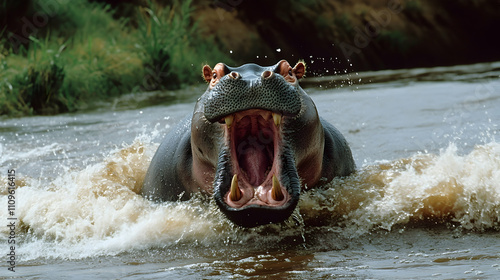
299	70
207	73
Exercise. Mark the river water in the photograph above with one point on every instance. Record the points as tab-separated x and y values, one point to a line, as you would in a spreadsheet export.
424	203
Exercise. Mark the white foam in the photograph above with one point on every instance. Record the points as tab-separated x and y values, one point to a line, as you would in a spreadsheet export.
464	189
97	211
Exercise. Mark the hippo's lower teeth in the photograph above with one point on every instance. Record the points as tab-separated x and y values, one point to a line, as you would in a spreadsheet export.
235	194
276	192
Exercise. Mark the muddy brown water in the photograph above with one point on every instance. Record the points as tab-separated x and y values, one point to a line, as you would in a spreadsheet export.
424	203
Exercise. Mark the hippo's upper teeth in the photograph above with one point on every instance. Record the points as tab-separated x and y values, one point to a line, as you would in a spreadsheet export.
235	193
229	120
276	192
277	119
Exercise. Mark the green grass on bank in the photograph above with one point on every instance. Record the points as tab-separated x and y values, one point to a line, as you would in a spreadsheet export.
85	53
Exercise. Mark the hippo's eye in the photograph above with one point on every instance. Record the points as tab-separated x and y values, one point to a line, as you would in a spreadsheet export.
290	72
214	75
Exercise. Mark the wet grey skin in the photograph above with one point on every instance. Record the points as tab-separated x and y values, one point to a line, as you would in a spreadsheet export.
253	143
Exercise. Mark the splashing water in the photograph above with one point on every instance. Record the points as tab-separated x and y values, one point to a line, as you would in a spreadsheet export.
97	211
445	188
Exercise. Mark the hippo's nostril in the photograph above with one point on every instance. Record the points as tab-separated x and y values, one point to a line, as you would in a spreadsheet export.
235	75
267	74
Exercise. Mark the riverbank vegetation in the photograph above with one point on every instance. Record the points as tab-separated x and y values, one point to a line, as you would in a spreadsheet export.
78	52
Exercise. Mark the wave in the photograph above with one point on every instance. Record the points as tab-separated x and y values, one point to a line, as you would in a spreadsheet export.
428	189
97	211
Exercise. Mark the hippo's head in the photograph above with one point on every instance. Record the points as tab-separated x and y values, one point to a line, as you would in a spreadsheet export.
260	131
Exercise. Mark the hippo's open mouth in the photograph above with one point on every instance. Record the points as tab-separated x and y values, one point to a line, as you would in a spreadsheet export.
254	140
261	170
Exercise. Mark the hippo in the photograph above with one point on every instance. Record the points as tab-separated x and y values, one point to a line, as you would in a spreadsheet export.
253	143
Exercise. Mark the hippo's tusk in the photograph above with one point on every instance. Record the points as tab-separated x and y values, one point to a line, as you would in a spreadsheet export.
276	192
229	120
235	194
277	119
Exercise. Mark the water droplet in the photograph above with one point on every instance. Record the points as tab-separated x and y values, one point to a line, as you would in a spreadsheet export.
230	51
278	50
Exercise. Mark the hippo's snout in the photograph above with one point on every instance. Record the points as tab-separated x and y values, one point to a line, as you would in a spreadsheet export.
252	87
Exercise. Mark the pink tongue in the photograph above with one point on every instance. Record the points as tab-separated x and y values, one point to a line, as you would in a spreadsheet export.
255	163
